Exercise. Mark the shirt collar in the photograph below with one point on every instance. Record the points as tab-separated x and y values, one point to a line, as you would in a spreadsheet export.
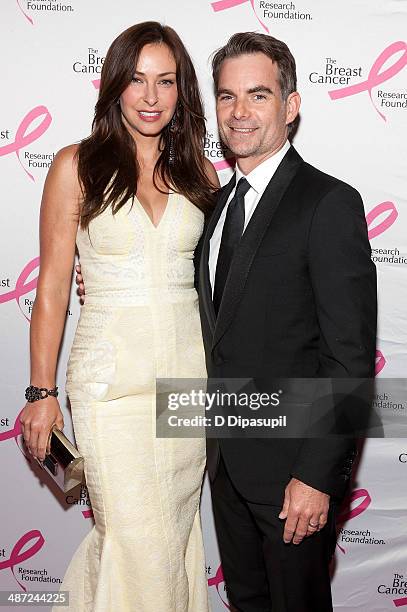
260	176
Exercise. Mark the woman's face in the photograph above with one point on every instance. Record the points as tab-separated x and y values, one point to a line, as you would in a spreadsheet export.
148	102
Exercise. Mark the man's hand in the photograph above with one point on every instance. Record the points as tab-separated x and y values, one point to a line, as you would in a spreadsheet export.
79	282
305	510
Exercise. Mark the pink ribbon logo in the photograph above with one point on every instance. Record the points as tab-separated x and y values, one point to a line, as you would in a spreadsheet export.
24	138
224	164
17	556
391	216
96	83
223	5
348	515
22	286
14	432
24	13
87	514
380	362
376	75
400	602
216	581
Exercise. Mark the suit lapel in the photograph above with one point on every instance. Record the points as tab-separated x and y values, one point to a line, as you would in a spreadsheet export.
251	239
204	280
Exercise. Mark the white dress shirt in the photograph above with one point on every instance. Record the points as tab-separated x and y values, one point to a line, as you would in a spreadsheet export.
258	178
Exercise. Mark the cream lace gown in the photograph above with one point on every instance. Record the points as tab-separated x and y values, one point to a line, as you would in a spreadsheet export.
140	321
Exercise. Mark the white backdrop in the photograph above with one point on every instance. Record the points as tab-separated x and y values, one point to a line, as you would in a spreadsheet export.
352	59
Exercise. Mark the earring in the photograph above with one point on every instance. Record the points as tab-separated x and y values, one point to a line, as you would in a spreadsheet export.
171	156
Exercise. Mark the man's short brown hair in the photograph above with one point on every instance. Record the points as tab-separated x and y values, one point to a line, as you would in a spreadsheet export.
243	43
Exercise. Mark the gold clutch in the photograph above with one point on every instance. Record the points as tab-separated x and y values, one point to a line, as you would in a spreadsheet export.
64	462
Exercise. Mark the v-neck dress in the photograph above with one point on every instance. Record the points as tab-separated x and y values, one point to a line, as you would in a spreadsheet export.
140	321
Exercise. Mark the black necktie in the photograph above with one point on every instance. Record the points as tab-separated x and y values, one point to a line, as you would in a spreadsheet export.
231	234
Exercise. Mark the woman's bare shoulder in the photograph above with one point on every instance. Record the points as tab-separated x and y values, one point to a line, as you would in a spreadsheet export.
66	158
62	181
64	167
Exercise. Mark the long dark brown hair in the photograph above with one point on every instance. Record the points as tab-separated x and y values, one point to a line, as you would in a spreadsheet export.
107	162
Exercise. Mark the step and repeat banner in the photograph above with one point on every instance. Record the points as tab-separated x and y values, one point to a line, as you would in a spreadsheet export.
352	75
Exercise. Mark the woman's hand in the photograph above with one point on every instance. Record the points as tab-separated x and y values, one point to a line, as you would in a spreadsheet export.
37	420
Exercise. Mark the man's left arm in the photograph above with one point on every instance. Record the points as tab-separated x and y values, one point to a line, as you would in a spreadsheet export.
343	279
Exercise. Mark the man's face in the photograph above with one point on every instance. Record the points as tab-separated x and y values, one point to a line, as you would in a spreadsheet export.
252	116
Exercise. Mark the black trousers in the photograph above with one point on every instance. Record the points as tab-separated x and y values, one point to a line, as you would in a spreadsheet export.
262	573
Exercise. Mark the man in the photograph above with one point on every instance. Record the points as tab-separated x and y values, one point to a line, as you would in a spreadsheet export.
287	289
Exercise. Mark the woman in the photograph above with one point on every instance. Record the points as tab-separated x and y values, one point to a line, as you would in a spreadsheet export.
133	196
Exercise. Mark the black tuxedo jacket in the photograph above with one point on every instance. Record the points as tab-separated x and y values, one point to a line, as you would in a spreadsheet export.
300	301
